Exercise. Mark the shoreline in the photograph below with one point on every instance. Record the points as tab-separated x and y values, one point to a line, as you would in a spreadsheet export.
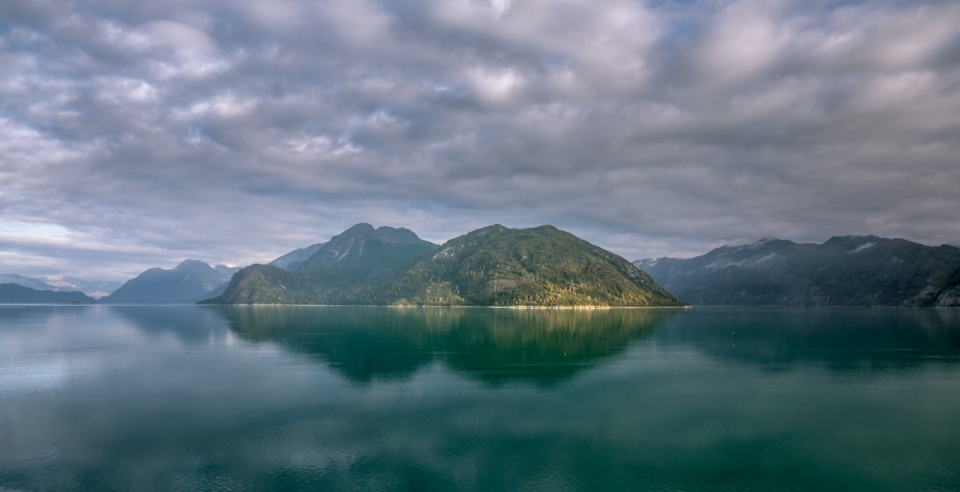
408	306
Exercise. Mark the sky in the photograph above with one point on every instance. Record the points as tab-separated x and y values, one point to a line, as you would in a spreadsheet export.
136	134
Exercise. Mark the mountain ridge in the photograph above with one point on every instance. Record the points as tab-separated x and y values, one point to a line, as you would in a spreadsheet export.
493	266
843	271
188	282
11	293
28	282
331	275
94	288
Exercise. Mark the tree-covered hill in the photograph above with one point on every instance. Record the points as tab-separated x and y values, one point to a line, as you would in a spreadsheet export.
541	266
336	273
493	266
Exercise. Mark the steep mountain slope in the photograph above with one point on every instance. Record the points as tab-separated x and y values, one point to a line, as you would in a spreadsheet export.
190	281
844	271
360	256
265	284
493	266
18	294
291	261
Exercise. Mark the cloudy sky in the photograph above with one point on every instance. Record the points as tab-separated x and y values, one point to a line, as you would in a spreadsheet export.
136	134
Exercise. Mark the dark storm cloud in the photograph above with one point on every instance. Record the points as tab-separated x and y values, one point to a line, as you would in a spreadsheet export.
136	134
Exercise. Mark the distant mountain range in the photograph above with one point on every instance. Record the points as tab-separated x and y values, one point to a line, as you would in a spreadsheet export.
493	266
17	294
844	271
95	288
542	266
189	282
32	283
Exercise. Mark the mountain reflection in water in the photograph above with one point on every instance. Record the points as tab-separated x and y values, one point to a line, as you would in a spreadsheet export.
149	398
495	346
840	339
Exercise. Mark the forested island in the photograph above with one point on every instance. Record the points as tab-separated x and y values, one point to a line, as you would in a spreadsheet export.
492	266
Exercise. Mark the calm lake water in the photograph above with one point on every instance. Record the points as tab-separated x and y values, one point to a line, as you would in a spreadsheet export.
337	398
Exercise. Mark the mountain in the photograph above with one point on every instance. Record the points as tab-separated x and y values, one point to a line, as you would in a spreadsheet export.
541	266
361	253
189	282
359	257
95	288
18	294
493	266
32	283
844	271
294	260
291	261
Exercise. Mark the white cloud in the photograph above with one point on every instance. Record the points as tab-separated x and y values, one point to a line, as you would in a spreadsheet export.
742	41
495	86
12	229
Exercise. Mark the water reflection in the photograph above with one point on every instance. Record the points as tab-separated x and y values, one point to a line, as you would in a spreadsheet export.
183	398
841	339
495	346
188	324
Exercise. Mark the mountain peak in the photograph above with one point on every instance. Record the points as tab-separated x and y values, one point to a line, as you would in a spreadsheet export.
546	227
345	242
192	264
361	228
360	232
495	228
189	281
761	242
362	250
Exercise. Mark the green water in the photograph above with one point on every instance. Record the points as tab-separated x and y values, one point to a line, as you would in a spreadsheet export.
313	398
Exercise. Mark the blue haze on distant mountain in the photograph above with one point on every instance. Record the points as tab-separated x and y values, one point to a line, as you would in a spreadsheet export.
17	294
32	283
189	282
843	271
95	288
